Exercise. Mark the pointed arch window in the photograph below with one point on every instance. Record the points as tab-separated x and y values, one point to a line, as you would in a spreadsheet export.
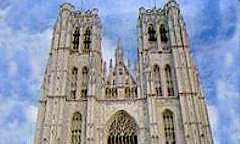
169	81
163	33
134	92
74	73
84	81
157	78
123	129
114	92
108	92
127	92
76	128
87	40
151	33
74	82
76	36
169	132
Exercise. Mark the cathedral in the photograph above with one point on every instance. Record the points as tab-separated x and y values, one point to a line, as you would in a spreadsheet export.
83	101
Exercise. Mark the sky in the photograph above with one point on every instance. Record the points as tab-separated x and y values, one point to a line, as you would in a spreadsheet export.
25	35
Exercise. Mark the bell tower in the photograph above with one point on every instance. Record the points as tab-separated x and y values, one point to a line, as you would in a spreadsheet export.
73	74
166	73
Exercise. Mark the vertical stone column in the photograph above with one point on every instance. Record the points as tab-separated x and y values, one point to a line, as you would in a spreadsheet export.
184	77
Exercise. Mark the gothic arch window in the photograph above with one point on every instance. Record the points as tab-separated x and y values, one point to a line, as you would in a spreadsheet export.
74	82
123	129
108	92
76	36
134	92
74	73
169	132
157	78
84	81
151	33
127	92
114	92
87	40
163	33
76	128
169	81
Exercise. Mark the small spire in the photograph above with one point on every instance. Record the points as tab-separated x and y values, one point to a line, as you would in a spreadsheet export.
82	5
155	4
119	52
129	64
119	46
110	64
104	68
135	67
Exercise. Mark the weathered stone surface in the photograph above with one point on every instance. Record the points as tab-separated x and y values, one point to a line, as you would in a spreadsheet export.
81	103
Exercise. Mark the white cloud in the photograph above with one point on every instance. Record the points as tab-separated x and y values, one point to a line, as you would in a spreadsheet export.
214	116
34	47
18	116
13	129
214	120
31	113
226	90
228	97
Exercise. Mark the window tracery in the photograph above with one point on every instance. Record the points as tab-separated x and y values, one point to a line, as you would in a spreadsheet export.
127	92
76	36
108	92
157	78
114	92
84	81
169	131
169	81
74	83
76	128
163	33
134	92
151	33
123	129
87	40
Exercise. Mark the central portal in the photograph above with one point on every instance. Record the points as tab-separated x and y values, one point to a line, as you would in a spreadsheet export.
123	129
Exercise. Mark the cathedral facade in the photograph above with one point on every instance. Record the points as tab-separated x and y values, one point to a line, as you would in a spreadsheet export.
83	102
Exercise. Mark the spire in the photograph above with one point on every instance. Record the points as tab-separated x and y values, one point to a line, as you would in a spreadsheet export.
155	4
129	64
82	5
110	65
104	69
119	52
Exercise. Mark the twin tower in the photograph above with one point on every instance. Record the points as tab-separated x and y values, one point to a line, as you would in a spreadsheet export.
82	102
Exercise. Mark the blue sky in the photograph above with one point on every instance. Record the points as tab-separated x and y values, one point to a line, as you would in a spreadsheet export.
25	33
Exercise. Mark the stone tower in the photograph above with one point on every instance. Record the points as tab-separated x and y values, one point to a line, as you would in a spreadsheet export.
82	102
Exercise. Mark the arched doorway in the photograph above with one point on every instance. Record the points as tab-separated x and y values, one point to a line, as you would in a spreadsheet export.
123	129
